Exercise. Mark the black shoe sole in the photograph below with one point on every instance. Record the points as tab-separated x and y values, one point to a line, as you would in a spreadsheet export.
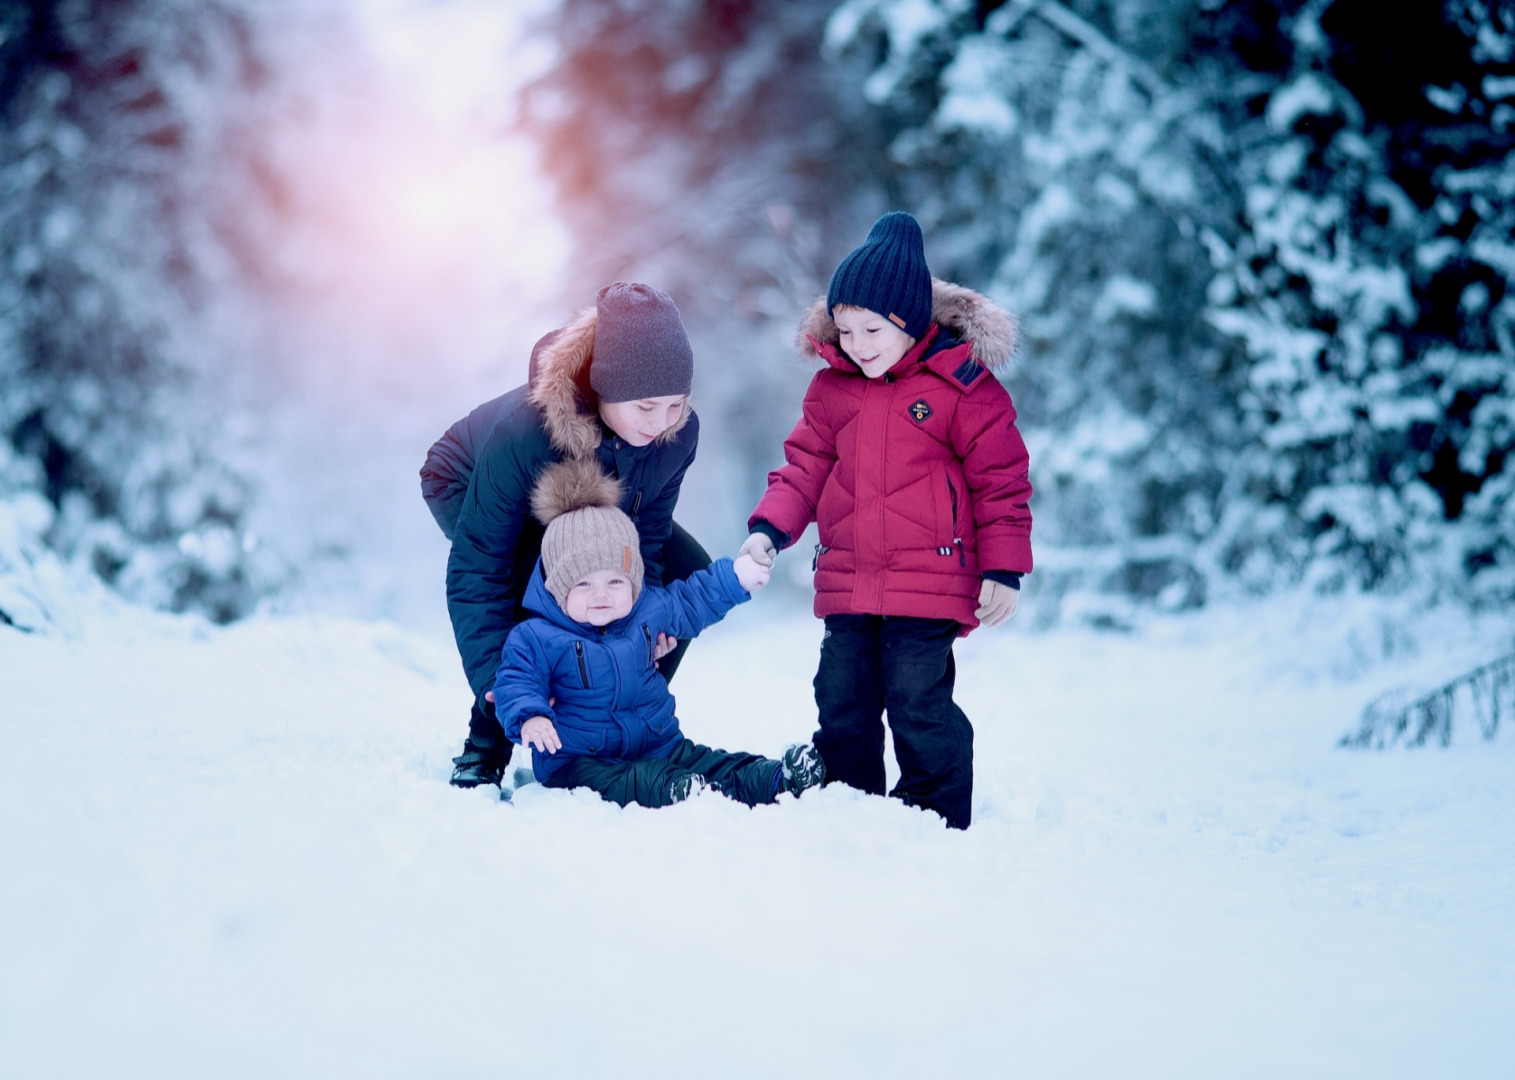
474	781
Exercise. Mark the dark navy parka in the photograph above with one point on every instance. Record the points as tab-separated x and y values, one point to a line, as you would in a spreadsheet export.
478	478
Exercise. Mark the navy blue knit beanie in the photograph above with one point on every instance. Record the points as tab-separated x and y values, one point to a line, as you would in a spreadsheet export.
640	347
888	274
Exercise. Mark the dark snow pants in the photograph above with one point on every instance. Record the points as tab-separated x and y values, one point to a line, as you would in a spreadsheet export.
682	556
873	664
747	778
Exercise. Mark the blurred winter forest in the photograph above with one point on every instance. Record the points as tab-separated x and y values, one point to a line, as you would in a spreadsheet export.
256	254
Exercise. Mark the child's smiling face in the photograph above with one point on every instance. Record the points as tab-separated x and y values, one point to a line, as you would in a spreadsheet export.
641	421
873	342
599	598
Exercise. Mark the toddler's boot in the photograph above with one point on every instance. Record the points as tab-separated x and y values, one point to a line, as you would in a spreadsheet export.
478	765
802	768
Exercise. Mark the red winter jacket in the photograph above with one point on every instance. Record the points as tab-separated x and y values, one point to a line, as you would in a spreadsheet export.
918	478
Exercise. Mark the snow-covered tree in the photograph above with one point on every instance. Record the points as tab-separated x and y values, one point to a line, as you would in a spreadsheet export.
114	143
1368	280
1261	250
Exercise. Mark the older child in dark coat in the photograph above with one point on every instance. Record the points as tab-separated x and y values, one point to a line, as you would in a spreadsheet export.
611	387
578	683
908	458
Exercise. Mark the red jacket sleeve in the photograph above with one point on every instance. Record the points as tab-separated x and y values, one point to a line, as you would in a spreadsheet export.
996	464
794	489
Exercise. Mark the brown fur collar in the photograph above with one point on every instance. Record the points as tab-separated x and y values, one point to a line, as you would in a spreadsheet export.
555	391
992	331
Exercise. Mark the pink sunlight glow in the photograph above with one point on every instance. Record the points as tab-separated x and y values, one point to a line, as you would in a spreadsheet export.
415	219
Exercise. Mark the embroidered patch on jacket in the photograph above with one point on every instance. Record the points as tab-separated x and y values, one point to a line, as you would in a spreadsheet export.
896	320
967	371
921	411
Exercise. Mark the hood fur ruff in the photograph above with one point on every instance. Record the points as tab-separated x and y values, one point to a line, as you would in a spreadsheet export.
555	392
993	332
571	485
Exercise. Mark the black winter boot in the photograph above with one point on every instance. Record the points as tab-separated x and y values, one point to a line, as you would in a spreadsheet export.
479	765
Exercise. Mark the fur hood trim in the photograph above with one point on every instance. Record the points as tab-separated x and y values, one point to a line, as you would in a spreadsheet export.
993	332
573	484
562	368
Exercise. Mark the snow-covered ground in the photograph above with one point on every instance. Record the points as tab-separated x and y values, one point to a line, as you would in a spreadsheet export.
234	853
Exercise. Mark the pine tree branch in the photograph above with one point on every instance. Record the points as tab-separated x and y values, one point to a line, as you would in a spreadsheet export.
1061	18
1389	719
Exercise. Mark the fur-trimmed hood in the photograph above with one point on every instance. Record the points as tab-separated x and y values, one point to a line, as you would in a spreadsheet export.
970	316
559	383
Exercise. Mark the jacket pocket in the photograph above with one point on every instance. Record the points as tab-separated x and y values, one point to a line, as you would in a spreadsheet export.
652	659
578	653
944	509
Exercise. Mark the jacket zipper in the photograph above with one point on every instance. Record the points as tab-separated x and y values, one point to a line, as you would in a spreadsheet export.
646	633
636	504
815	562
962	556
578	651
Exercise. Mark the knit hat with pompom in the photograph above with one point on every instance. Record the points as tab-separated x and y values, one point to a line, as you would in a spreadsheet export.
586	530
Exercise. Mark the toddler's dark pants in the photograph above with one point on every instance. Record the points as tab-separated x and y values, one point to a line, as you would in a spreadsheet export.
871	664
682	556
747	778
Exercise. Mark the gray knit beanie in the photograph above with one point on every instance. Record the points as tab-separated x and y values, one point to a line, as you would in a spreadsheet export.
888	274
586	529
640	347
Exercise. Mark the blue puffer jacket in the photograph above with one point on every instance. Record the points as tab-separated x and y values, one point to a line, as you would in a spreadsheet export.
609	700
478	479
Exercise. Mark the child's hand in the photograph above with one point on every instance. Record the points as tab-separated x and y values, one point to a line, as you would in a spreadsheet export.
539	734
758	548
666	643
752	574
996	603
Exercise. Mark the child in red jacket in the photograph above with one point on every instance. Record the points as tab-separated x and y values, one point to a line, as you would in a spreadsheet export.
908	459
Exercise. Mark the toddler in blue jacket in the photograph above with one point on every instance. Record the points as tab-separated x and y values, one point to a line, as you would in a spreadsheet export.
579	682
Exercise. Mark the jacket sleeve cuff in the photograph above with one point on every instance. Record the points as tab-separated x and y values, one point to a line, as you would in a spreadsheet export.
1004	577
725	571
780	539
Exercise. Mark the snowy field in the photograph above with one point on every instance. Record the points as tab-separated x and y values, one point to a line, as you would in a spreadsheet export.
234	853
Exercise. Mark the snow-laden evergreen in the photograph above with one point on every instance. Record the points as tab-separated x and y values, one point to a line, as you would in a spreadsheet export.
117	174
253	262
1134	180
1369	283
